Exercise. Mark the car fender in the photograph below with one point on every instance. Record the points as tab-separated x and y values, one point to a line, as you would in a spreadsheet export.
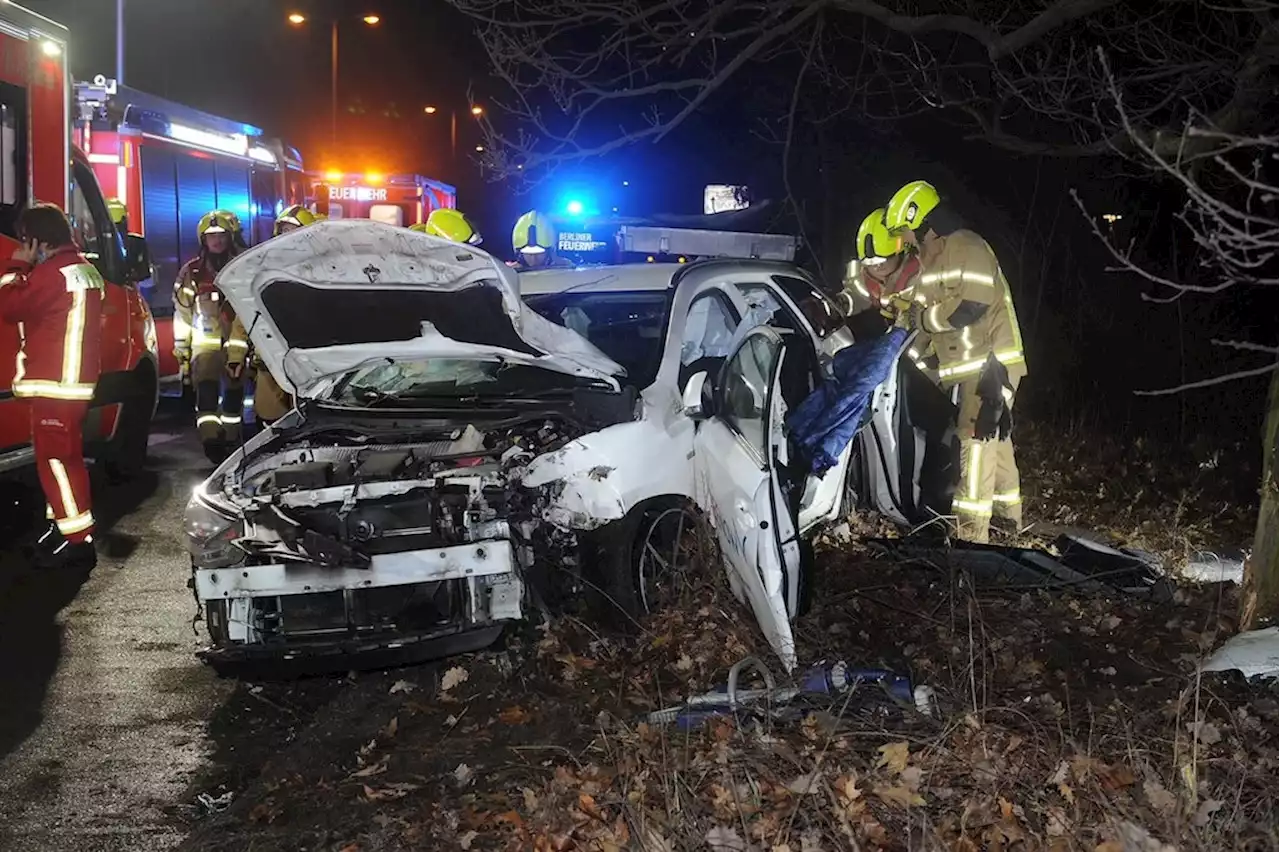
601	476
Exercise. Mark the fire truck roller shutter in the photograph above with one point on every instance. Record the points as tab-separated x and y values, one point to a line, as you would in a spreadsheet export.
196	197
263	183
232	181
160	209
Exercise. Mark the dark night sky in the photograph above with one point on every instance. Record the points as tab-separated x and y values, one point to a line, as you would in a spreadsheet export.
242	60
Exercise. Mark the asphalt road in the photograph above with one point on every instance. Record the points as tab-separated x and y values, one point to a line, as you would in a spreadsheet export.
104	709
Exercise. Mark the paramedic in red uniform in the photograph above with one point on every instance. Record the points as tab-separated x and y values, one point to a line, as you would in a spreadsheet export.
54	296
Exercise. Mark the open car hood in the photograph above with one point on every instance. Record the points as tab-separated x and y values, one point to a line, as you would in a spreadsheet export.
334	296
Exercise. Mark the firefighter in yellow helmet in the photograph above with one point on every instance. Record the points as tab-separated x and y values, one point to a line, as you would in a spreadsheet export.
884	278
450	224
270	400
119	215
292	218
202	339
534	241
968	312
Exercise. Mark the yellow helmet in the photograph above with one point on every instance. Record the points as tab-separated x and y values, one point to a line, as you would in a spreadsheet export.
910	205
118	211
219	222
533	233
296	215
452	225
874	239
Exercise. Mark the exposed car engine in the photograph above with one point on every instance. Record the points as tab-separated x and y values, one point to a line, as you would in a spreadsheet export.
332	501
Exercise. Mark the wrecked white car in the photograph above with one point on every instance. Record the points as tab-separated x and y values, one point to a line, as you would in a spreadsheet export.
460	452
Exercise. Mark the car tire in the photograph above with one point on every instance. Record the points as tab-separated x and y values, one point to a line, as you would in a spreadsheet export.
624	581
127	456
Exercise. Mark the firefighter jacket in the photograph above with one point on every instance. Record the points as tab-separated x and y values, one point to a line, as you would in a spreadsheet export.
202	318
967	310
57	306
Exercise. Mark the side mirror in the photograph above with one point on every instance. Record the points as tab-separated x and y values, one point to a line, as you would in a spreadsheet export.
137	259
697	399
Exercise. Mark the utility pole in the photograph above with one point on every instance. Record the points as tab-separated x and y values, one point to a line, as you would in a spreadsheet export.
119	42
333	94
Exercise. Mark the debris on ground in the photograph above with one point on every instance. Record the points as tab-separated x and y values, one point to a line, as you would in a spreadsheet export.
1075	562
1255	654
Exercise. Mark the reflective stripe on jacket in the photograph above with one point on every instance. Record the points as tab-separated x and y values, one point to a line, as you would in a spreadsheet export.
57	306
968	310
201	317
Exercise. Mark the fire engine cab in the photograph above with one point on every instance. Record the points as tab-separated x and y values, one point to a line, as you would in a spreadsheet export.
170	164
39	163
401	200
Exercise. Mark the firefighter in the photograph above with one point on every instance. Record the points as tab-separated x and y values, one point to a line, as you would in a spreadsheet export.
291	219
967	309
202	323
450	224
534	241
270	401
119	215
54	296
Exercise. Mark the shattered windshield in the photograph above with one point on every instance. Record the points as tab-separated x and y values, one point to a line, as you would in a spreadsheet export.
628	326
448	378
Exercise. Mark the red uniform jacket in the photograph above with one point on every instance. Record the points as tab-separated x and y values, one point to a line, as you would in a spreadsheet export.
57	306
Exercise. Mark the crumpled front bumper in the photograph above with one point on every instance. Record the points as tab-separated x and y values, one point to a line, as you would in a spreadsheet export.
256	626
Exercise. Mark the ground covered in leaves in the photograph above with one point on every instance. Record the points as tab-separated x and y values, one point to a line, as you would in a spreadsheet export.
1061	722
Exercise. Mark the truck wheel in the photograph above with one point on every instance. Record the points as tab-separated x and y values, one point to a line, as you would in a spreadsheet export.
128	454
644	560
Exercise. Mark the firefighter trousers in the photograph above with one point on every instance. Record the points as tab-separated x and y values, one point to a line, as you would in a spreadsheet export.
58	440
270	402
219	398
989	484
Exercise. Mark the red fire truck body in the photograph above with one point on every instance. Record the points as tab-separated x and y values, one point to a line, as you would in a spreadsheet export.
401	200
170	164
39	163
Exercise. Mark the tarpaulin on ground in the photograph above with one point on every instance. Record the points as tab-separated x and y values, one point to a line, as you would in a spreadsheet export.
824	424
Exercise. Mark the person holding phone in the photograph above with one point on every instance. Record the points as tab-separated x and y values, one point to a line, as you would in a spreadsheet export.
54	295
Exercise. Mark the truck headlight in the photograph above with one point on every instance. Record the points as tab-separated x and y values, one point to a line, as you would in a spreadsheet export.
211	531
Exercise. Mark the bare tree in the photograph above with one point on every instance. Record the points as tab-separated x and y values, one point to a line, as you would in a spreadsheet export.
586	77
1231	185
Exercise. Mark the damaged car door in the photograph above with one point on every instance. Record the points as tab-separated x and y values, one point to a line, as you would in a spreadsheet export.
741	460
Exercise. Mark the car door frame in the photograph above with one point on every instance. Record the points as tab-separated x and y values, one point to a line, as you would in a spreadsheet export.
765	566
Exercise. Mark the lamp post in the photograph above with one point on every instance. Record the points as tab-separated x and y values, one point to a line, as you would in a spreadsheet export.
298	19
476	111
119	42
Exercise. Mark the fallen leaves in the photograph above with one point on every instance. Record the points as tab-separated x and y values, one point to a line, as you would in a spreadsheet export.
453	677
462	775
894	757
724	839
514	715
897	795
404	686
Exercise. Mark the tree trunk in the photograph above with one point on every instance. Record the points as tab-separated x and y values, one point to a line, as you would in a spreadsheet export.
1260	599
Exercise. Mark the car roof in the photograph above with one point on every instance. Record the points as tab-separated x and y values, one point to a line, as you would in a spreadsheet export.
599	279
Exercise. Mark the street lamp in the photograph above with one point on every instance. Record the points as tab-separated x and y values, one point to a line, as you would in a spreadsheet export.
476	110
298	19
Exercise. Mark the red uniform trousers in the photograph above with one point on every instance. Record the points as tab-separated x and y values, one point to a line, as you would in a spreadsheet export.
56	430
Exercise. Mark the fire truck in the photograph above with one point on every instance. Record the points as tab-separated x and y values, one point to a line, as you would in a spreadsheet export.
170	164
401	200
38	162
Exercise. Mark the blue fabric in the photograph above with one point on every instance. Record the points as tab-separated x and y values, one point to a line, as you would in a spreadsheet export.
824	424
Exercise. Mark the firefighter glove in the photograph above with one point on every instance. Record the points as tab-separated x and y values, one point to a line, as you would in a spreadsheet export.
995	390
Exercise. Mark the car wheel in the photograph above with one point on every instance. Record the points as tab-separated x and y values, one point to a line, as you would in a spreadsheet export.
645	560
128	454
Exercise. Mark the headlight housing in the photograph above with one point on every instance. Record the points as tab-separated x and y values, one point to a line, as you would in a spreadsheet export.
211	530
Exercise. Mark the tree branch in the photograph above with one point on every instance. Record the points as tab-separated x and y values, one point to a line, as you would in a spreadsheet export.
1208	383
